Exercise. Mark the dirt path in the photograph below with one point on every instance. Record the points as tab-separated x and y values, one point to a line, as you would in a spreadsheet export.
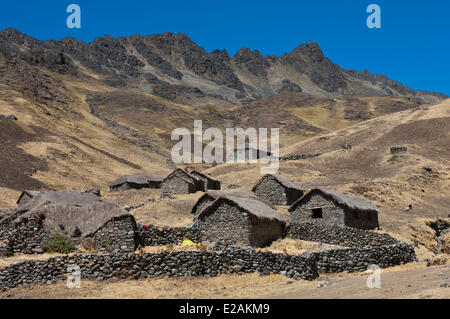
419	283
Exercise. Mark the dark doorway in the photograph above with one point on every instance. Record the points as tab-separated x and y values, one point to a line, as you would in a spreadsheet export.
317	213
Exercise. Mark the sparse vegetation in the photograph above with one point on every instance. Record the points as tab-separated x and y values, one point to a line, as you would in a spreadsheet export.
59	244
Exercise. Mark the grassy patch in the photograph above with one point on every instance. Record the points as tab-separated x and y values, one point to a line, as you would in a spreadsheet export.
59	244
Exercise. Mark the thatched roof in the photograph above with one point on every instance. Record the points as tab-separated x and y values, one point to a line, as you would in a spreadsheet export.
287	183
31	194
251	205
136	179
181	173
204	175
343	200
214	194
66	212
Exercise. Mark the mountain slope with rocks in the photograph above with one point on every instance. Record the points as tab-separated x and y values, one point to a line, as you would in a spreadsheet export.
172	65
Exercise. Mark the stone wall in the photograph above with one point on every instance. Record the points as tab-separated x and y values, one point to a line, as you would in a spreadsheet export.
128	185
6	224
28	237
331	213
338	235
271	191
399	149
226	223
156	236
361	219
263	232
176	185
117	235
367	248
295	157
157	265
359	259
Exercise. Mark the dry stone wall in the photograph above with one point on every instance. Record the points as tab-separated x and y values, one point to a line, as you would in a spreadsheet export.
117	235
28	237
226	223
271	191
157	265
157	236
331	213
338	235
177	186
359	259
296	157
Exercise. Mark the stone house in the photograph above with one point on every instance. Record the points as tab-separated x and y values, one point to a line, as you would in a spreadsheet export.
240	220
81	218
135	182
206	200
277	190
26	196
331	207
180	182
211	196
209	182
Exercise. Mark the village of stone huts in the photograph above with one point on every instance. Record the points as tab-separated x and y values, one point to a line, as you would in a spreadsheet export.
232	231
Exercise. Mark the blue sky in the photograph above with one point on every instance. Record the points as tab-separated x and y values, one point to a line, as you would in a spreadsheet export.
412	46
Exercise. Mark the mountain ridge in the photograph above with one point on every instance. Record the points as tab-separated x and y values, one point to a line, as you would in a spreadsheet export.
168	64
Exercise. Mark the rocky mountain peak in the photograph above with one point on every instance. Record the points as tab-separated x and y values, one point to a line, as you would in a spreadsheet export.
309	51
252	61
237	78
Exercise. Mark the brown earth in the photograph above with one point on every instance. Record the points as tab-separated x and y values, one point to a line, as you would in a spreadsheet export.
408	281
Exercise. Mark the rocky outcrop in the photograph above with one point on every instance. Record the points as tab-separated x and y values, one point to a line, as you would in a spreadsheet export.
242	77
154	59
251	61
288	86
308	58
174	92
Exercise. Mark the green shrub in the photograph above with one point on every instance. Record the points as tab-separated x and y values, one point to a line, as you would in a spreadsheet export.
59	244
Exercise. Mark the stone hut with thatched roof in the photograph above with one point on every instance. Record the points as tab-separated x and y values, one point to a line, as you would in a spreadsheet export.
209	182
211	196
26	196
277	190
236	219
334	208
79	218
135	182
180	182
